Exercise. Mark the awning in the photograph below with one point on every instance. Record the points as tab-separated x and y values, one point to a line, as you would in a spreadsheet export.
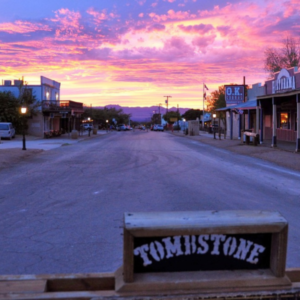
243	106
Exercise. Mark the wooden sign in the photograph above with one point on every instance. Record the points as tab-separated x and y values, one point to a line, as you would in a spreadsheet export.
205	252
202	251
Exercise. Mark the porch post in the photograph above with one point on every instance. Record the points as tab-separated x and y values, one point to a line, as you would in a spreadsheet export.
249	119
257	119
298	124
231	124
274	116
261	124
240	126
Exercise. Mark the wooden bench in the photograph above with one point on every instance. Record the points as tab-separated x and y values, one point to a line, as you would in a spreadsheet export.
254	135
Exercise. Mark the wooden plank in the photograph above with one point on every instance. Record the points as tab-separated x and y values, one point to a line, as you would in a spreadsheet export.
80	284
168	223
24	286
128	256
59	295
293	274
202	282
57	276
279	252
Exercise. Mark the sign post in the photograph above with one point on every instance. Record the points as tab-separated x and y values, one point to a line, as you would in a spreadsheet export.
203	251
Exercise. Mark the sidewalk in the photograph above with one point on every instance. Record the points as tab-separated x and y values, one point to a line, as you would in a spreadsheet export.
46	144
283	155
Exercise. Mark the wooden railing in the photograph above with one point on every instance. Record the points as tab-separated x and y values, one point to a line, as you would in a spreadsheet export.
286	135
62	105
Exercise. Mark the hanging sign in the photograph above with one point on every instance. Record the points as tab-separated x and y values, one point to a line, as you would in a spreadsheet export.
234	94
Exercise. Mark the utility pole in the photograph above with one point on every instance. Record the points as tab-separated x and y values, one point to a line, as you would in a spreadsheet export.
167	101
159	105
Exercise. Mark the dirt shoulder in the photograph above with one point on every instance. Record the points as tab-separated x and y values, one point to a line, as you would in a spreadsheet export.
9	157
281	157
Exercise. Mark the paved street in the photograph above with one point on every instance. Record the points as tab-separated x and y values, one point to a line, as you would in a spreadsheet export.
62	209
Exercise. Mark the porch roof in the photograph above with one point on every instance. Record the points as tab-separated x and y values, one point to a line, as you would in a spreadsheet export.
245	105
280	95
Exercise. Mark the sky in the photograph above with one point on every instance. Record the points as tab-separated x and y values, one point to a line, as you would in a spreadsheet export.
136	52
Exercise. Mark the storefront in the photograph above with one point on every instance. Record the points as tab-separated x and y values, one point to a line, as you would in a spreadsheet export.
280	108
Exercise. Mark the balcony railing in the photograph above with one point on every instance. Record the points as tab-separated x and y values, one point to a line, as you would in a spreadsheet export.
62	105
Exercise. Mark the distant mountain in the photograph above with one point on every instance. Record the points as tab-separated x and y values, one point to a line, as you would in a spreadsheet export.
143	114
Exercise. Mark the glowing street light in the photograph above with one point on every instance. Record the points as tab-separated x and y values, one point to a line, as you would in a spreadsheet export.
23	112
214	117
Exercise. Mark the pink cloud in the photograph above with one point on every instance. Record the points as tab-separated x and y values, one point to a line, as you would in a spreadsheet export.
201	28
68	24
202	42
156	27
224	30
177	47
23	27
141	15
291	8
172	15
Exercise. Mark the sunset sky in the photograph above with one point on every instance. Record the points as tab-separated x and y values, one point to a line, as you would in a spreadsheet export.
135	52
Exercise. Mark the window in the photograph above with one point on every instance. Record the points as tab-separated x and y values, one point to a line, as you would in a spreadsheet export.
4	127
284	120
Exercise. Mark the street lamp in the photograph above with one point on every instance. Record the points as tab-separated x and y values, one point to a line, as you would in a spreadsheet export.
89	128
23	112
214	117
106	125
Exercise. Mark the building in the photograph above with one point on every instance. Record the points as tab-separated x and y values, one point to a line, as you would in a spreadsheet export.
279	108
54	115
272	110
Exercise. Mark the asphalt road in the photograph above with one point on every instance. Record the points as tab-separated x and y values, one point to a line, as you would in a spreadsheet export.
62	210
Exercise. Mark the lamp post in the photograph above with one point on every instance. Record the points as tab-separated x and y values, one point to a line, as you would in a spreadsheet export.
89	128
107	125
23	112
214	117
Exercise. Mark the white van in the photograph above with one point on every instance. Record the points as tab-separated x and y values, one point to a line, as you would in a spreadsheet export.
7	130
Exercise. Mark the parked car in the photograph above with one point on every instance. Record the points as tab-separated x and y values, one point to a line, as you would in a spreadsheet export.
121	127
158	127
7	131
87	126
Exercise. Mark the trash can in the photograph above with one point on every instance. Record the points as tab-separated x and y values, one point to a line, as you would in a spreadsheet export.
74	134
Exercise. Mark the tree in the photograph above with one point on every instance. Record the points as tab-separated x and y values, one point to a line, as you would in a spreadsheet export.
100	115
286	57
192	114
171	114
8	108
217	100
